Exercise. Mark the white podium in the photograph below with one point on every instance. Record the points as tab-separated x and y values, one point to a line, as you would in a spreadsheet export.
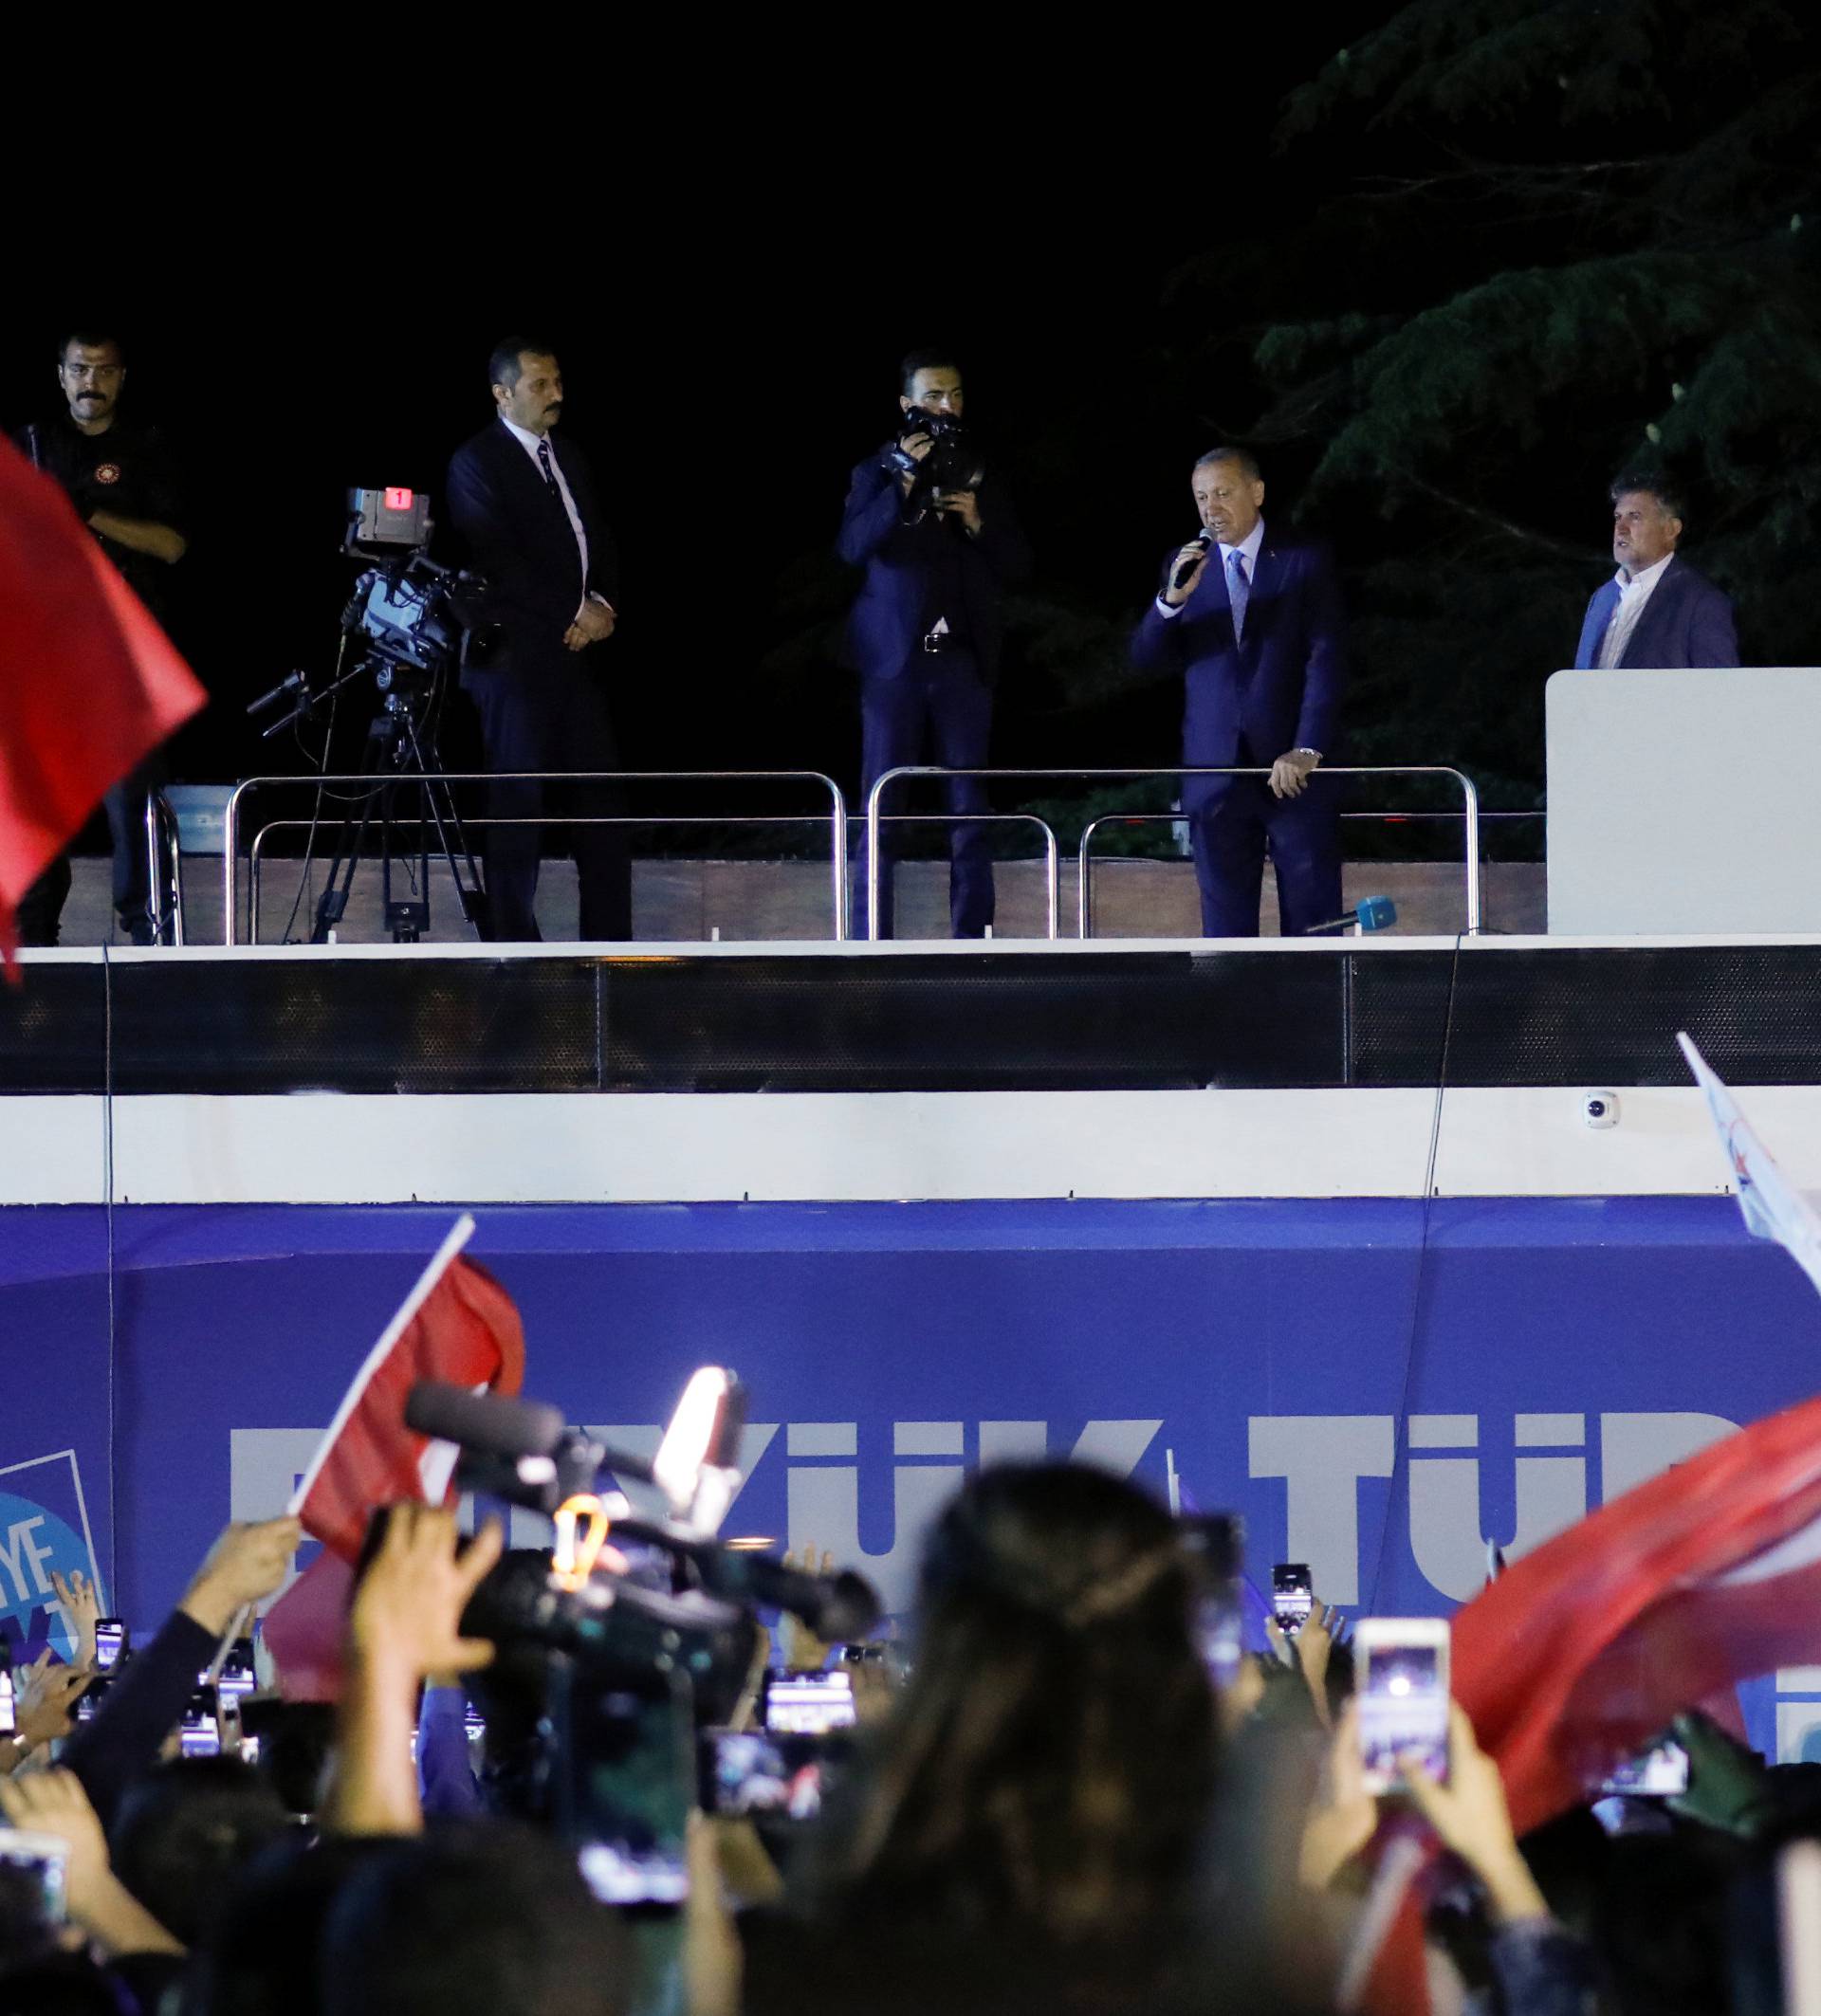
1685	802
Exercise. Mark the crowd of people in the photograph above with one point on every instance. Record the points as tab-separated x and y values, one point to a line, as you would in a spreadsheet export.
1053	1801
1248	616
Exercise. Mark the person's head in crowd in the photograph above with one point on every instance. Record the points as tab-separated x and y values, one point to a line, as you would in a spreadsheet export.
184	1828
64	1985
1646	521
474	1919
1051	1761
261	1956
1658	1922
91	369
929	380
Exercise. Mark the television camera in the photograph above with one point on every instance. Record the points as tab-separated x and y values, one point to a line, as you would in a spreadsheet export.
643	1622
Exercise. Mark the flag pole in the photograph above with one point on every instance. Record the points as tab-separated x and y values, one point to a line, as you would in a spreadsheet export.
459	1234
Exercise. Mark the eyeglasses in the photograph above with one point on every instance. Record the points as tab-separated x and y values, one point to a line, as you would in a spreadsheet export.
97	371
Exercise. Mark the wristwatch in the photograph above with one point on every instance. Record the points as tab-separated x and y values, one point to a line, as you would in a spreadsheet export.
1316	753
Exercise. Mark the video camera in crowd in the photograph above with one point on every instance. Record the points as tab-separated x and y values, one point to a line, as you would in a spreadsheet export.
645	1626
411	619
954	461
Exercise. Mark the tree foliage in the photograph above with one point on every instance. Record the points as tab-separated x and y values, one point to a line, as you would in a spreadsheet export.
1579	238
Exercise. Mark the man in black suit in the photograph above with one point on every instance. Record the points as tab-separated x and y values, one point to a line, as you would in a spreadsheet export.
1656	611
534	529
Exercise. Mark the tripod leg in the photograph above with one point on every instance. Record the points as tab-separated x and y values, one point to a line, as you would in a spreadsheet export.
451	836
332	902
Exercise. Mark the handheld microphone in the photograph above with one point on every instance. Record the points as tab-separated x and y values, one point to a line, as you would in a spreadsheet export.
1370	913
1180	578
291	685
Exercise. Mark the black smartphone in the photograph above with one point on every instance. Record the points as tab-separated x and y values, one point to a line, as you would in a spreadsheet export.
91	1698
628	1785
1659	1773
749	1771
111	1642
199	1732
1291	1596
37	1862
808	1704
237	1679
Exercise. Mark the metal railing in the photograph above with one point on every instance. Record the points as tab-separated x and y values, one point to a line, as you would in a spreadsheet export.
1469	814
1052	853
163	857
835	818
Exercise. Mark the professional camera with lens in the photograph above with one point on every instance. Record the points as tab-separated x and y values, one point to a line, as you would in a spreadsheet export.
644	1626
415	622
953	463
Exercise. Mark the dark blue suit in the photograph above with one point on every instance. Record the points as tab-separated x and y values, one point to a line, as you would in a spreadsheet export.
1688	621
919	571
542	706
1249	700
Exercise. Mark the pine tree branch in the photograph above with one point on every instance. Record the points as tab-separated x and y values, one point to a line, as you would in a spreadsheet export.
1542	541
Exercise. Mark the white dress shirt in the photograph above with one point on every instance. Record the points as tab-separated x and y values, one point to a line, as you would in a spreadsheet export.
1251	545
531	443
1633	594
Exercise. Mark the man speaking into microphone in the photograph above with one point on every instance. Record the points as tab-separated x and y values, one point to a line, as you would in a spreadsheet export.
1253	622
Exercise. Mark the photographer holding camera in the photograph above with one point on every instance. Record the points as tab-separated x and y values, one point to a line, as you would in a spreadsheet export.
940	546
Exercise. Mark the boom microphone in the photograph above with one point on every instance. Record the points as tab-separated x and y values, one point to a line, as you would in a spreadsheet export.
1180	578
483	1420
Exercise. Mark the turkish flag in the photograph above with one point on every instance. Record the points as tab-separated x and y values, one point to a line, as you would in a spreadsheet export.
1581	1652
458	1325
89	684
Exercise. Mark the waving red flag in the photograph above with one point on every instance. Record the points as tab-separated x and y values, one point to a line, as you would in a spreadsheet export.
458	1325
1582	1652
89	684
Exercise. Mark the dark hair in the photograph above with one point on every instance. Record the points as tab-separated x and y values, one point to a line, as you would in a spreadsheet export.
502	366
478	1917
924	360
262	1955
1670	496
90	340
183	1828
1243	457
1050	1765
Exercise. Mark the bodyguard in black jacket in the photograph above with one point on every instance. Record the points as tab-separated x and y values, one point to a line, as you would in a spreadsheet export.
532	523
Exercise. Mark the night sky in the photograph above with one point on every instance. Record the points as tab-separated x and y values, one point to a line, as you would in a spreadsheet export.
729	312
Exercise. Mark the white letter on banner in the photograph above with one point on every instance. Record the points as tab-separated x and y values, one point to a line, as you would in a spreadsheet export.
1636	1446
1322	1458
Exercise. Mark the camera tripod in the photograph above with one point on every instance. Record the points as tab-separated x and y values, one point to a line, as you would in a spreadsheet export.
398	756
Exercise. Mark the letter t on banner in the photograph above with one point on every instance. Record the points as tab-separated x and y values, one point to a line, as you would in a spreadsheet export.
1322	1458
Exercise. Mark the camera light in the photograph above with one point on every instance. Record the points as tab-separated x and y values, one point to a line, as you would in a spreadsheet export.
397	500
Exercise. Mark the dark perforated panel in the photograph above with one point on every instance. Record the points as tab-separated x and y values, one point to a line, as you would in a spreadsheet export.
992	1021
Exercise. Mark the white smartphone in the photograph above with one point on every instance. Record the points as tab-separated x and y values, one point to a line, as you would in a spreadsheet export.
1402	1688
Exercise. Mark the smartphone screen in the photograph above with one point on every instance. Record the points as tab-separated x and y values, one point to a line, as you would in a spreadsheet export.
89	1701
110	1643
1659	1773
628	1785
1292	1593
199	1734
746	1771
37	1862
1403	1698
237	1676
8	1706
808	1704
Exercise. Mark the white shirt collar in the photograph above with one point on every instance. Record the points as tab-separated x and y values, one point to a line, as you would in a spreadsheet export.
532	442
1646	578
1249	545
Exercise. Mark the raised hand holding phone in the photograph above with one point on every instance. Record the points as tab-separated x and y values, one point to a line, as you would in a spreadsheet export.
1470	1818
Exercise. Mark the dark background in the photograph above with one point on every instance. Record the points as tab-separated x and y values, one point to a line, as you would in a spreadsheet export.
729	275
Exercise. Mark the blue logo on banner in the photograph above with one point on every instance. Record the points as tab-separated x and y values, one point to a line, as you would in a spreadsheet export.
34	1544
